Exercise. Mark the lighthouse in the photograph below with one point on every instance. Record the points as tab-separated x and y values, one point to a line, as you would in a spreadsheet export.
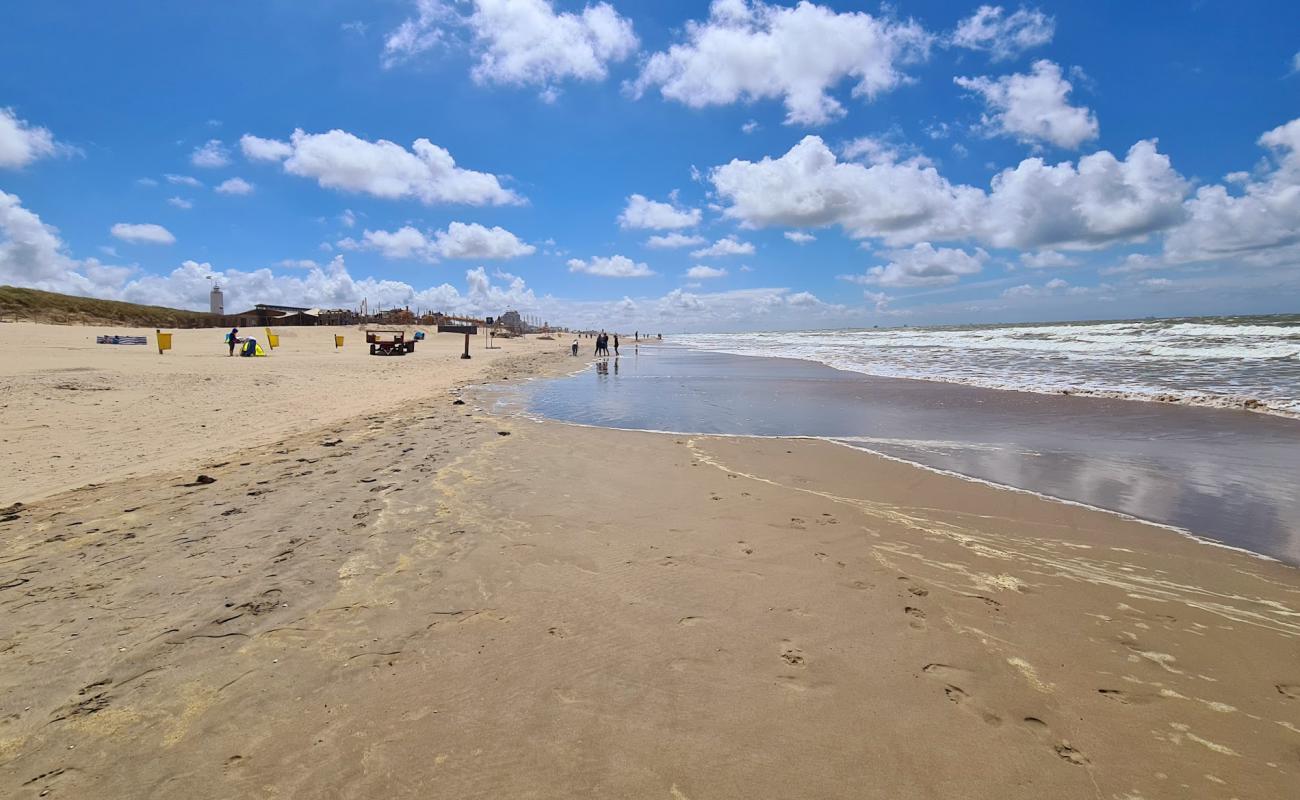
216	301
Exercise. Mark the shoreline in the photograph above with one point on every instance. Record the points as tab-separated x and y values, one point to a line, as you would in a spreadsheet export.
463	603
1159	397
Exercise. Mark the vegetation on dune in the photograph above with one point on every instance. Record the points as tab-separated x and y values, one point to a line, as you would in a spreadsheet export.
32	305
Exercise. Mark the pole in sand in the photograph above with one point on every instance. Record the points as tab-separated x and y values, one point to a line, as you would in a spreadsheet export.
466	353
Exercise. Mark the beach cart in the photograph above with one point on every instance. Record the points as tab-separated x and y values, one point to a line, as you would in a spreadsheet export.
389	343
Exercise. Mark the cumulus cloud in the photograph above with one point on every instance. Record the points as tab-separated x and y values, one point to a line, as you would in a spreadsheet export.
1053	286
31	254
426	172
21	143
671	240
726	246
800	237
1033	205
1003	35
142	233
210	155
235	186
459	241
747	51
702	272
180	202
1256	220
644	213
923	265
1033	107
522	42
255	148
611	267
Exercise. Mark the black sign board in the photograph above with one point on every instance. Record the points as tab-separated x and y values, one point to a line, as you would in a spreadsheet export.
488	321
469	329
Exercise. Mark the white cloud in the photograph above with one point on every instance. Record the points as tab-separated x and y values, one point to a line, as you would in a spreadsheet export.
143	233
1047	259
347	219
21	143
426	172
210	155
1033	108
235	186
642	212
31	254
146	182
701	272
879	299
726	246
1004	37
924	265
611	267
799	237
522	42
1257	221
750	126
1295	63
1033	205
183	180
749	51
473	241
459	241
180	202
870	149
256	148
1156	283
674	239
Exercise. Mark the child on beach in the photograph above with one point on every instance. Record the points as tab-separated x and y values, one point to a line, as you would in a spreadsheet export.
232	339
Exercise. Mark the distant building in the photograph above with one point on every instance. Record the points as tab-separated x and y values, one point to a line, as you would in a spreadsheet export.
512	322
216	301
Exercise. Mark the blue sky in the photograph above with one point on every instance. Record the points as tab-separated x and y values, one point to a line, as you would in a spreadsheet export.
814	165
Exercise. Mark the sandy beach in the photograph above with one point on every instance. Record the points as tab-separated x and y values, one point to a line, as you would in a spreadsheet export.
383	593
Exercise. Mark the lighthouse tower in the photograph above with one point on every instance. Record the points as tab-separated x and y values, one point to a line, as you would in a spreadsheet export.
216	301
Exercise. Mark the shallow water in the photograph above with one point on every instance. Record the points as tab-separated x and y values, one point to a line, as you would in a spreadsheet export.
1251	362
1226	475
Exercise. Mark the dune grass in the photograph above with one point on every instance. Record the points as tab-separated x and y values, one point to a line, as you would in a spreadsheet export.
32	305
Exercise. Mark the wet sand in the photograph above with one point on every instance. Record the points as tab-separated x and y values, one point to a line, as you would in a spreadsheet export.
458	604
1224	474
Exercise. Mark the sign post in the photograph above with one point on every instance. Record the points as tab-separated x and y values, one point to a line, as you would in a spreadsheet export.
468	330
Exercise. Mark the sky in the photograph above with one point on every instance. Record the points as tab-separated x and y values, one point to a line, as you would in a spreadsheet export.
655	165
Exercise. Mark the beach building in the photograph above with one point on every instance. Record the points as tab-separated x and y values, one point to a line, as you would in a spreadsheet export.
216	301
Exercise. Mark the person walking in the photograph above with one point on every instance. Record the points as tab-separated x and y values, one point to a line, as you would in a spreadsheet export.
616	344
575	347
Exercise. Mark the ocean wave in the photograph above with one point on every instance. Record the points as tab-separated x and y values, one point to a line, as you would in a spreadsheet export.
1252	364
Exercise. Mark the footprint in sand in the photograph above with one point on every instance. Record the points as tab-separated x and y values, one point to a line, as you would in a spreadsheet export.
1128	698
917	615
1291	691
792	655
959	696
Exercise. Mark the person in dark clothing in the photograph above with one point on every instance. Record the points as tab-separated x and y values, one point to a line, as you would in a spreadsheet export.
232	339
616	344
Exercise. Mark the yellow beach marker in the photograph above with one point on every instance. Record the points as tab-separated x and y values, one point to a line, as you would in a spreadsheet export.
164	341
338	341
272	339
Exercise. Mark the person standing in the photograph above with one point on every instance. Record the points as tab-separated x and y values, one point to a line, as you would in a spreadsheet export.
232	339
616	344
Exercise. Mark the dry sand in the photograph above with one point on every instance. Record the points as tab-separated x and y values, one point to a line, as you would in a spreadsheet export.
73	412
451	604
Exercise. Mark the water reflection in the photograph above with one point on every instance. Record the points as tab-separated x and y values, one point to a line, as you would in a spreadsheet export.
1226	475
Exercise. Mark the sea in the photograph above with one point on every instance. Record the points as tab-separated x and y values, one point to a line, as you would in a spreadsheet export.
1227	362
1187	423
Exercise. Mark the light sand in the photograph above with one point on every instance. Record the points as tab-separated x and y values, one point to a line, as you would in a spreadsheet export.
73	412
425	607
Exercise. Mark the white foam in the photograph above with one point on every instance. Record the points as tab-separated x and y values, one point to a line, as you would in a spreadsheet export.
1213	363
